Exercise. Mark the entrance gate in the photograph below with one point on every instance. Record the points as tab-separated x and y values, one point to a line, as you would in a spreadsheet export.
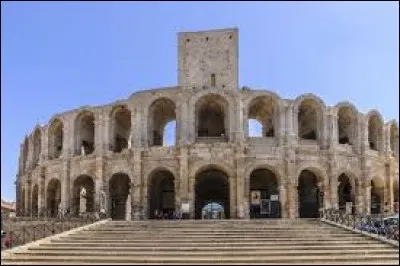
213	210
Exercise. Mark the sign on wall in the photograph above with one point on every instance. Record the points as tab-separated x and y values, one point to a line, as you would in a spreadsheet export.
274	197
185	207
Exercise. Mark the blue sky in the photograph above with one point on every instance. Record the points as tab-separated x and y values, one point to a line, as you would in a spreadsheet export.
59	56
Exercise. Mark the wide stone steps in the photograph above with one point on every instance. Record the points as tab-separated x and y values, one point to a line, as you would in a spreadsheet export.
257	242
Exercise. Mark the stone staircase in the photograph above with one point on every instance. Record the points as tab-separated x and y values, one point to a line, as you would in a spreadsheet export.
277	241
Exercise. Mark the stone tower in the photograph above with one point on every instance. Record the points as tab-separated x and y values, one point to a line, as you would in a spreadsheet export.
208	59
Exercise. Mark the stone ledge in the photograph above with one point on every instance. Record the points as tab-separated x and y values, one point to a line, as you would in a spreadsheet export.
386	241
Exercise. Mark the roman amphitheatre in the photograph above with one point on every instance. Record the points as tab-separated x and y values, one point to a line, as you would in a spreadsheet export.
114	160
309	155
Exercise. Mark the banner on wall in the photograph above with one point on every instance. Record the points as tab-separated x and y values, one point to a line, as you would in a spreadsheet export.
185	207
255	197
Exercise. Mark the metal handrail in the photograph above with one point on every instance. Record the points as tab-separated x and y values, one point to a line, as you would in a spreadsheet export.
17	234
371	223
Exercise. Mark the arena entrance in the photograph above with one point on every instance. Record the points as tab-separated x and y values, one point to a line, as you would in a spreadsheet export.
309	194
212	190
119	185
161	195
264	195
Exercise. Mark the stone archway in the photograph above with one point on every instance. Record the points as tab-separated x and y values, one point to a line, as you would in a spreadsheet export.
161	192
53	197
119	186
264	199
86	182
345	192
309	196
211	186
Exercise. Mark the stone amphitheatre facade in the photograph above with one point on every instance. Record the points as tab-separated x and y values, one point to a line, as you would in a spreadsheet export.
309	155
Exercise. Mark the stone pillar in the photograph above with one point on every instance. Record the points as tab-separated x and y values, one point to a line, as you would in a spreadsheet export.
359	198
246	196
65	187
280	126
26	198
69	145
232	196
333	128
98	133
29	198
44	145
98	183
367	198
334	192
191	196
291	124
292	198
41	188
183	194
283	201
136	181
106	131
240	187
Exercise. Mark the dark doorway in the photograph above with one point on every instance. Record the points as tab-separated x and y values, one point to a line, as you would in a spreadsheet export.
161	194
119	188
211	186
309	195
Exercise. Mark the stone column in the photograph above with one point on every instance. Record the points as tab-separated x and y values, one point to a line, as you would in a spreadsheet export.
291	124
183	194
106	131
292	198
65	187
41	199
334	192
44	145
26	198
282	200
240	188
136	180
246	196
98	133
232	196
281	127
29	198
333	128
98	183
367	198
191	196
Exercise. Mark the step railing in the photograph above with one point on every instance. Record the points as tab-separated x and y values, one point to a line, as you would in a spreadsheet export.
15	234
383	225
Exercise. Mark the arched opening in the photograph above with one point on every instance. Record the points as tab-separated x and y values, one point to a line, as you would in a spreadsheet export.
346	194
211	186
37	147
161	194
84	126
119	186
83	195
169	134
212	117
263	110
309	120
347	121
394	140
264	195
35	199
55	139
121	128
161	112
25	154
310	198
375	132
53	197
376	196
255	128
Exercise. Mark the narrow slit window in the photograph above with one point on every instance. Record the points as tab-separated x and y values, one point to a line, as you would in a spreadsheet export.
213	80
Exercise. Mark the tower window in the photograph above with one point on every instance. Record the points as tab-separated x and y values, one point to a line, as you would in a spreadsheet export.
213	80
206	38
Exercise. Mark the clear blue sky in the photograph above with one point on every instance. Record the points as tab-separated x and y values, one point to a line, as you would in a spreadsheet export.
62	55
